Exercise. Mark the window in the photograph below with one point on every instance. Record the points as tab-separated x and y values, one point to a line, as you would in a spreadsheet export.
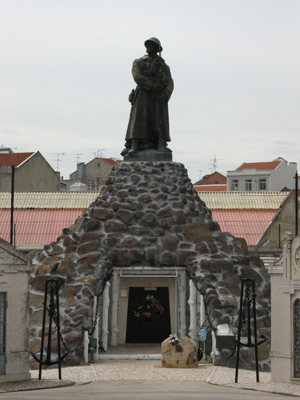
248	185
235	184
262	184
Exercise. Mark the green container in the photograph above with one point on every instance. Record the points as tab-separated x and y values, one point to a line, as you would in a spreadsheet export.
208	343
93	346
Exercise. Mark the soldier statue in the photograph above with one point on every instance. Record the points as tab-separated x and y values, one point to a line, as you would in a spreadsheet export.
148	126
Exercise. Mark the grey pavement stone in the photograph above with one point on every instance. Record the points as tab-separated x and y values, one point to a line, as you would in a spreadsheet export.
150	370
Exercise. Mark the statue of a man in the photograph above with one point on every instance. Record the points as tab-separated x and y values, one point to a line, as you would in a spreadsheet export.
148	126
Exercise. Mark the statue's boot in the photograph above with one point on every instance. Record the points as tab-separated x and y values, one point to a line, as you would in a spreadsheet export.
134	147
162	146
124	151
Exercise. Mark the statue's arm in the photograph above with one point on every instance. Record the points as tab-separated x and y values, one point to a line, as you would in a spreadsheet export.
140	79
170	83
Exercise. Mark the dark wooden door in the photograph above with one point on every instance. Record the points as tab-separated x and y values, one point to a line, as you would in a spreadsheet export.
145	323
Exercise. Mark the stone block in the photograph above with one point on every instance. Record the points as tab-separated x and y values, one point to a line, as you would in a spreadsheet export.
70	249
56	251
125	216
130	241
88	258
195	232
126	257
169	242
114	226
78	225
144	198
226	248
91	225
180	355
149	220
217	266
38	282
167	258
151	255
230	302
184	257
70	290
114	240
139	231
202	248
88	247
147	241
179	218
68	241
153	206
90	236
166	222
213	226
231	286
36	300
242	245
66	268
250	273
165	212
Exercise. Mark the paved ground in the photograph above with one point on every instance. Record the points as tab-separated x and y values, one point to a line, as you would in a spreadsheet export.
145	379
143	390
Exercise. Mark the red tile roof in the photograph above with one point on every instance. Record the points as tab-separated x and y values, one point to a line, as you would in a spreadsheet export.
210	188
109	161
14	158
214	178
37	227
43	226
249	224
260	165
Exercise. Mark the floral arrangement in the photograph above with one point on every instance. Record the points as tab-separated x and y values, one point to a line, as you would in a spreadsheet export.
173	339
150	310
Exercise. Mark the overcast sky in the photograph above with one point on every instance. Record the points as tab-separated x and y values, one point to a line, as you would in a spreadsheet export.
66	76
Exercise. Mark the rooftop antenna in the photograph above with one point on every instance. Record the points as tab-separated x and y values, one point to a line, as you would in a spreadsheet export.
99	153
77	156
200	170
58	159
214	163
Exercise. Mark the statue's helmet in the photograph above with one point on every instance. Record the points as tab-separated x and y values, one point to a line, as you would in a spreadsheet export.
154	40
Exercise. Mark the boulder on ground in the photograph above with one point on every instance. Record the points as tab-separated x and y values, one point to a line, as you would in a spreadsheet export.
182	354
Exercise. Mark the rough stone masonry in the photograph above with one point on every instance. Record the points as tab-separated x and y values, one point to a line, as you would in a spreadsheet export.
148	214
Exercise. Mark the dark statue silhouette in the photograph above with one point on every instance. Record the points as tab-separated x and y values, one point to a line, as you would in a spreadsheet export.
148	127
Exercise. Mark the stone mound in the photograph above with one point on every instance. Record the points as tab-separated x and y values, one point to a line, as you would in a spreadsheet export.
147	214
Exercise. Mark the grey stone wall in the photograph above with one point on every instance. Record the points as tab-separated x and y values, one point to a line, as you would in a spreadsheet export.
148	214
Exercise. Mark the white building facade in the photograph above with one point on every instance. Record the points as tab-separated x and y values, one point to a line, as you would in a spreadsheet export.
271	176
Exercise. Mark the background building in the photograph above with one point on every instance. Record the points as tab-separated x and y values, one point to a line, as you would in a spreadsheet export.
32	172
93	174
214	182
272	176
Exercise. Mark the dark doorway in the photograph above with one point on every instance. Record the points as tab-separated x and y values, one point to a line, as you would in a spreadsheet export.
146	322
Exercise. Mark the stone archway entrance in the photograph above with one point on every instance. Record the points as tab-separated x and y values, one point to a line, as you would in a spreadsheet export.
171	283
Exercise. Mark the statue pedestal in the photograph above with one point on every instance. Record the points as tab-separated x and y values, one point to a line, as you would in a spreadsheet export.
150	155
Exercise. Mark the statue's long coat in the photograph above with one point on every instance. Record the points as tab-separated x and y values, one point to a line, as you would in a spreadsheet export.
149	114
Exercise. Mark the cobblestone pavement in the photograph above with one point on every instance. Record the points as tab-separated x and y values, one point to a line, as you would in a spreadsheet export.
150	370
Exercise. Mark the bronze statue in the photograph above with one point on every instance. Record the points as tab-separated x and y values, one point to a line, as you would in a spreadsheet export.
148	126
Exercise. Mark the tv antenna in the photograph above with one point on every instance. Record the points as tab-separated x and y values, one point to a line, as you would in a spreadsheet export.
99	153
214	163
200	170
58	159
77	156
